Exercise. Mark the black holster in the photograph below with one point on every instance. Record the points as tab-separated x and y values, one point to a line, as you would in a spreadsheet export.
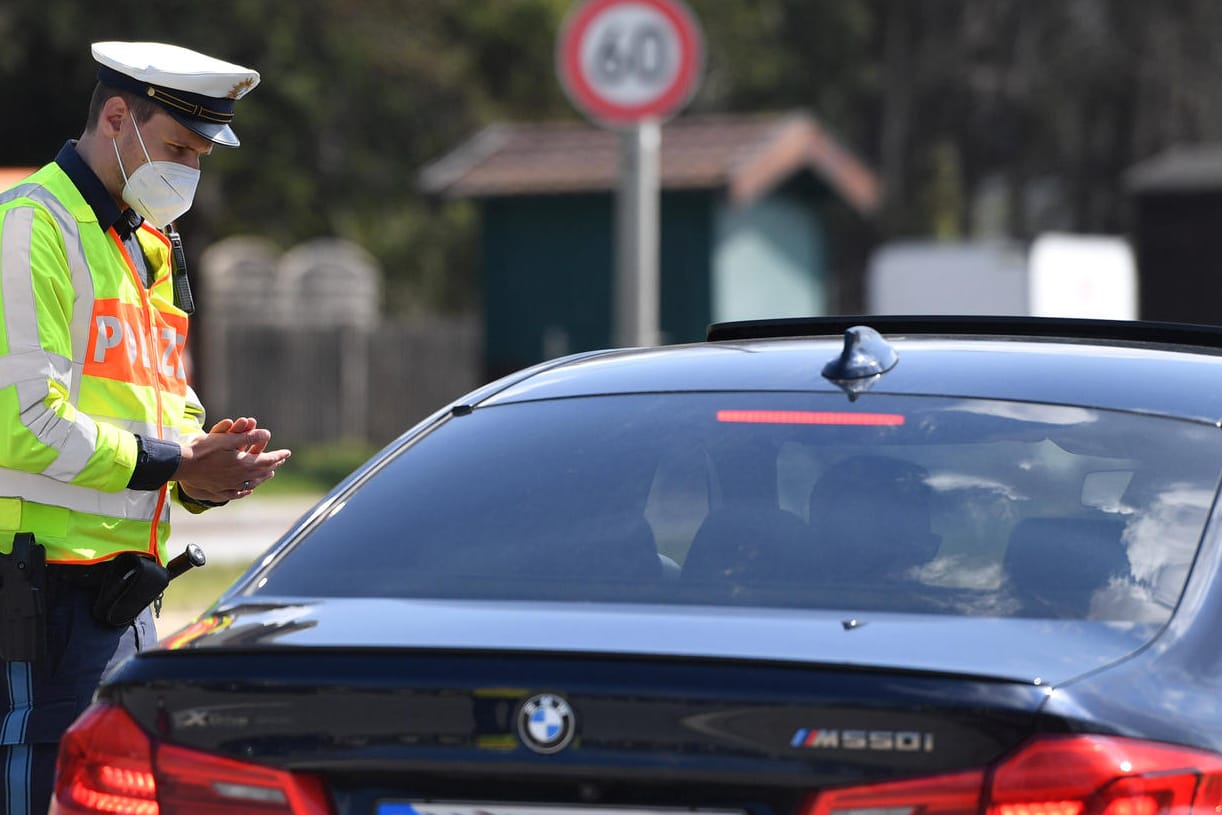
23	601
130	584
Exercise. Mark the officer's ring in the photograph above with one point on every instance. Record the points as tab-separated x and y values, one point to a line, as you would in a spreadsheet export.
245	485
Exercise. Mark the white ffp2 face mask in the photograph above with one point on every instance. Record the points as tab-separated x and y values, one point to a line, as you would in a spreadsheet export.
159	190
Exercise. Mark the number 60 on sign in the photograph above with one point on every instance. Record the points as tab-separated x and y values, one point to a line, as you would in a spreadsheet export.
623	61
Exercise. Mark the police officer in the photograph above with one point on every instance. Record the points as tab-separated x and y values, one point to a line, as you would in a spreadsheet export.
99	429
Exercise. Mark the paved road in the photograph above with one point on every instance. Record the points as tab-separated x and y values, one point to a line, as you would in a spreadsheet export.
241	530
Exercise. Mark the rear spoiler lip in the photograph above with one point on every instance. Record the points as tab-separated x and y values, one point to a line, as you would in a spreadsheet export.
1134	331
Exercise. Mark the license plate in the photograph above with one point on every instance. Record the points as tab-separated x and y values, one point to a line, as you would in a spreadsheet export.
482	808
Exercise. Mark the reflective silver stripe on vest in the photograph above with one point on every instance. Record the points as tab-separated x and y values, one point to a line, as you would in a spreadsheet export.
74	439
146	429
134	505
30	372
33	365
20	308
78	267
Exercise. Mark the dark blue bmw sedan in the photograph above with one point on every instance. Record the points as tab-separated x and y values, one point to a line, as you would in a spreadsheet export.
879	566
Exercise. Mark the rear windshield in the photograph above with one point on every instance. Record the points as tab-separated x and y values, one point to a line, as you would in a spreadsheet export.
899	503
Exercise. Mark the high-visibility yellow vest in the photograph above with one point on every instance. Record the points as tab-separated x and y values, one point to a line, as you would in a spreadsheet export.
89	357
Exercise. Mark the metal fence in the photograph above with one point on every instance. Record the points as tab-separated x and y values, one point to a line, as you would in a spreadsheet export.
325	384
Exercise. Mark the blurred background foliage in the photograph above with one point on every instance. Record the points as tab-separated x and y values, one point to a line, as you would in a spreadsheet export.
949	100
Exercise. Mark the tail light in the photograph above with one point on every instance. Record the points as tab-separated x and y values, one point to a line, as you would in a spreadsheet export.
1060	775
108	764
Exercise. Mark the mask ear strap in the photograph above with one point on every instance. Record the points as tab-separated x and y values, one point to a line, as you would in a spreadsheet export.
139	138
115	144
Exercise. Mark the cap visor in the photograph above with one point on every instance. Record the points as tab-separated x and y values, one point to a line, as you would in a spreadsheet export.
216	133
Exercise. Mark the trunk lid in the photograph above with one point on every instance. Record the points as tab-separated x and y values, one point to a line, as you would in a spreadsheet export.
1030	651
395	702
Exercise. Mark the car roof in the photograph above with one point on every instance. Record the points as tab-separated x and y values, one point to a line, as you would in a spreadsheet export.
1163	369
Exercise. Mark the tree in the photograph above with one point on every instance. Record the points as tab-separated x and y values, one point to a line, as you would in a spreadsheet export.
947	98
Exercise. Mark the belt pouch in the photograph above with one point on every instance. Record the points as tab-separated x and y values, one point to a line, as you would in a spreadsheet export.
23	593
130	584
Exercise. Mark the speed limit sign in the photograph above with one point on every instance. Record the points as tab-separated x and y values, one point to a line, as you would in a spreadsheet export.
624	61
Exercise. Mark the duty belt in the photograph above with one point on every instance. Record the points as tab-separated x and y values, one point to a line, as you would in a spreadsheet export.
85	576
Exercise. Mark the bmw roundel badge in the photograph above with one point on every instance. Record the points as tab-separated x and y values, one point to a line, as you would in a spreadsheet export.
546	723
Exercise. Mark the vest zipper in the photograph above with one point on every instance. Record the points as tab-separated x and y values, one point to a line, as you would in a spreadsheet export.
150	337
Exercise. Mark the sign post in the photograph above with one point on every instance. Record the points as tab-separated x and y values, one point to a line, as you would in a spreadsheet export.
637	280
627	65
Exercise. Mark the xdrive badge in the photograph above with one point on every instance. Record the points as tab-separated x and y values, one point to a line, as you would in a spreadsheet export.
546	723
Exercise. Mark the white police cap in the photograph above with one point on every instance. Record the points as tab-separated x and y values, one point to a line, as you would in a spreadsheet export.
196	89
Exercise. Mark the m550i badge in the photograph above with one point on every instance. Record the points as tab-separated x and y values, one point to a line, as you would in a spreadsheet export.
903	741
546	723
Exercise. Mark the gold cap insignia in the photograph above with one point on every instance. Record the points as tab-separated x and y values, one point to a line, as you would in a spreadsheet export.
240	88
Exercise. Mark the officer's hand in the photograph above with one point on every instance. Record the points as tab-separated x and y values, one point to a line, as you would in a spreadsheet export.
240	425
228	463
